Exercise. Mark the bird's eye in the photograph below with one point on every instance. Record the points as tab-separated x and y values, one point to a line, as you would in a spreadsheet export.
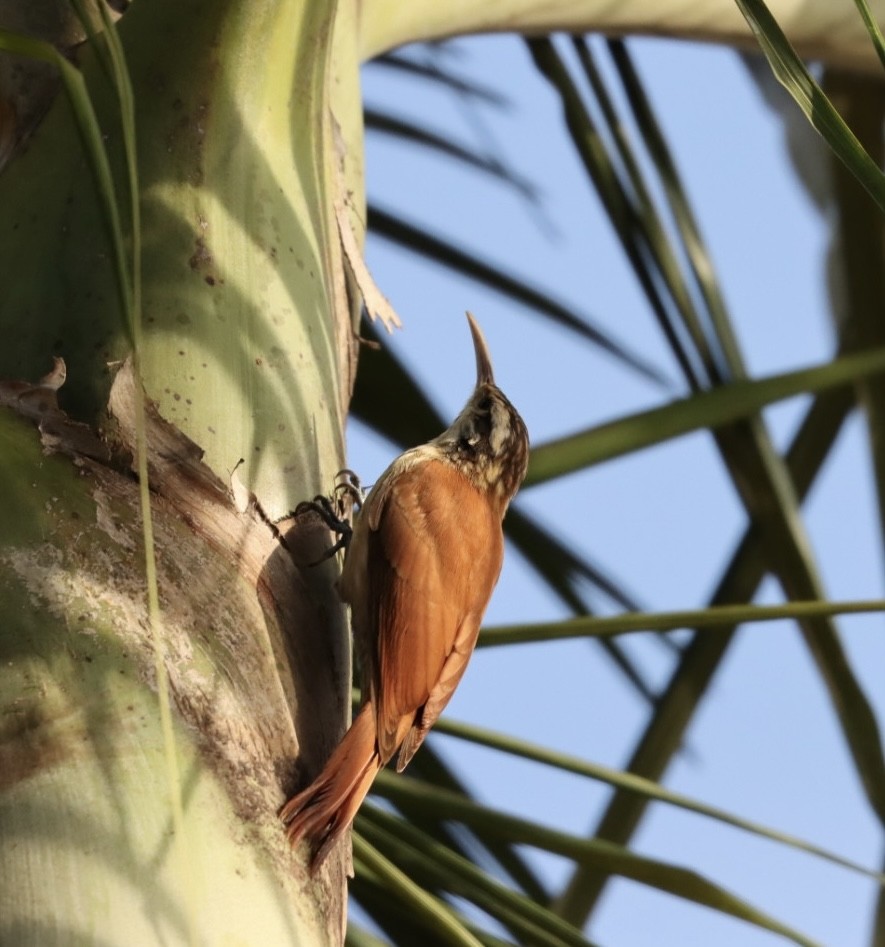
485	404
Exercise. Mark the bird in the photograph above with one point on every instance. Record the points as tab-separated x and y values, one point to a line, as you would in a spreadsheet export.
423	559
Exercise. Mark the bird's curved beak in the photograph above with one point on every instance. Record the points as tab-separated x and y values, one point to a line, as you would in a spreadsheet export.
484	373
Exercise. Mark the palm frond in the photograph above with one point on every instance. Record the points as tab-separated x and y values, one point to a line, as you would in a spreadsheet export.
419	240
793	74
629	164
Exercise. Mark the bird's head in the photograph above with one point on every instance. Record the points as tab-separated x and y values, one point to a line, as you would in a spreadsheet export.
488	440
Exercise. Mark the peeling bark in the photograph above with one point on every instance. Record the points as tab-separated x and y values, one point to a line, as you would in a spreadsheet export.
250	639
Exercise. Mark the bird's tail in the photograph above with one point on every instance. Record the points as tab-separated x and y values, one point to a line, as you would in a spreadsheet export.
322	812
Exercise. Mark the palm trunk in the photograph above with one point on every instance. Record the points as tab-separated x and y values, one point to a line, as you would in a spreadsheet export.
247	353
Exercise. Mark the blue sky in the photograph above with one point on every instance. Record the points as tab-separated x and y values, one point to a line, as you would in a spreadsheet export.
664	522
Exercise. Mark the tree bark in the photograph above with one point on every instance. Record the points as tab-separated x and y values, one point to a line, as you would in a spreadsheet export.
248	356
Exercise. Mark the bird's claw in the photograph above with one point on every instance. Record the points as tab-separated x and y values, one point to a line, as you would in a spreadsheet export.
336	511
348	487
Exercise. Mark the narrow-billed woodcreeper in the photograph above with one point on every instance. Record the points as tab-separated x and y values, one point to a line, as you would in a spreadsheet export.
425	555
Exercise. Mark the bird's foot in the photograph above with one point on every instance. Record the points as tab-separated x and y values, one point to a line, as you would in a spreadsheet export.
336	511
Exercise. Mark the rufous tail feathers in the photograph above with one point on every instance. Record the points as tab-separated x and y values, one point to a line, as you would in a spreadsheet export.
322	812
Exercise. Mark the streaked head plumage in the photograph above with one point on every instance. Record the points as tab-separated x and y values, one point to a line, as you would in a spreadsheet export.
488	440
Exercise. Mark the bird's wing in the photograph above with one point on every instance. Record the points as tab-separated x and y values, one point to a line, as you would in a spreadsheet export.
435	552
